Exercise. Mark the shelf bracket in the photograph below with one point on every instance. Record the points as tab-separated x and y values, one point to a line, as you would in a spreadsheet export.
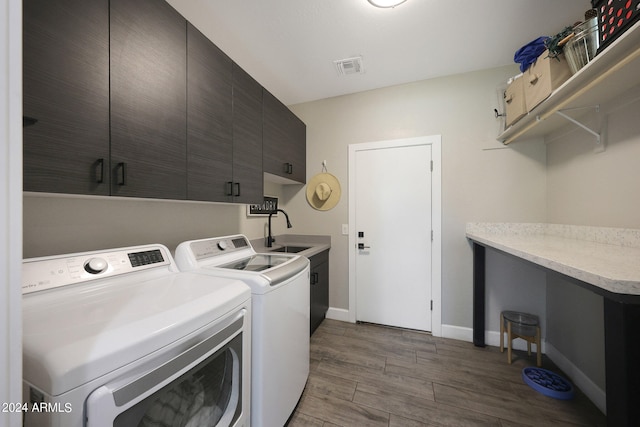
597	135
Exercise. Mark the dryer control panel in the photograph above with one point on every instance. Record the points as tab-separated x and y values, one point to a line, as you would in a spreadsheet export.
51	272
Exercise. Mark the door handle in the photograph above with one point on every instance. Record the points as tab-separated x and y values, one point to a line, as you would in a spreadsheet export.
361	246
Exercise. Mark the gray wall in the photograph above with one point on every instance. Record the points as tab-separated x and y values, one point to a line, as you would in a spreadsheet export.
59	224
585	187
599	189
562	182
481	180
575	327
66	224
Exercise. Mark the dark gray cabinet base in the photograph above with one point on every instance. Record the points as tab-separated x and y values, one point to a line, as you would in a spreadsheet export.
319	281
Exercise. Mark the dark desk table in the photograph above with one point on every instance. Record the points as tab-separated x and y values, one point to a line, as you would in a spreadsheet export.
610	269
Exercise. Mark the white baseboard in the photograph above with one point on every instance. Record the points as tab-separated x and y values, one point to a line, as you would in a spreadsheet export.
490	337
583	382
338	314
457	333
345	315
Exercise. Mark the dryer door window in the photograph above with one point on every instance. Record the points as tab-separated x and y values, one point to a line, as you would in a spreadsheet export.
201	397
200	386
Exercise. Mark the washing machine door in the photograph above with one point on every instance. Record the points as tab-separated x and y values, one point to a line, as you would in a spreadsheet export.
200	386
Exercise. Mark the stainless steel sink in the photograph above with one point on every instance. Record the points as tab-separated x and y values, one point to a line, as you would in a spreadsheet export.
291	249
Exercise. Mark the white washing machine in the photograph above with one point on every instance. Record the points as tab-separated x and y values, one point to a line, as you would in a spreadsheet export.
280	330
122	338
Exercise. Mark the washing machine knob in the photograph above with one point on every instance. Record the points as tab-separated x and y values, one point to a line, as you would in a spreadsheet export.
222	244
95	265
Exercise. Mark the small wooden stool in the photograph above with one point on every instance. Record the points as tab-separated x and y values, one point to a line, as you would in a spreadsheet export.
520	325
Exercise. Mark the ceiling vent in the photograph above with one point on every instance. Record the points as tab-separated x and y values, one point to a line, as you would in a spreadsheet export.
348	66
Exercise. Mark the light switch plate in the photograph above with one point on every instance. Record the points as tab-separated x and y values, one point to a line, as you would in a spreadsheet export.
345	229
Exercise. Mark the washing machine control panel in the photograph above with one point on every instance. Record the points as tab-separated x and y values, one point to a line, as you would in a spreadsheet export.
211	247
51	272
96	265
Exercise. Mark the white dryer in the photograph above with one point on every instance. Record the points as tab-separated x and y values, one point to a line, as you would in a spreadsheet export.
122	338
280	327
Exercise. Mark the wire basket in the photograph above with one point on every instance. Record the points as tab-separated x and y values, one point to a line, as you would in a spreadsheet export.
582	47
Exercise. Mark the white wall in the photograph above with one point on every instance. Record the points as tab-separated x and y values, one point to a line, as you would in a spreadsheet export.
478	184
10	208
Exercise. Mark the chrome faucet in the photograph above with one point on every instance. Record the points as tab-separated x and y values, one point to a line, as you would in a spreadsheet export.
270	238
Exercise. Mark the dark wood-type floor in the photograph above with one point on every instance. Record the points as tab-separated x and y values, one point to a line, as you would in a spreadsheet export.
370	375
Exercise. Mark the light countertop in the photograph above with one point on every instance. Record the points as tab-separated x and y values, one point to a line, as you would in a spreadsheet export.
608	258
316	244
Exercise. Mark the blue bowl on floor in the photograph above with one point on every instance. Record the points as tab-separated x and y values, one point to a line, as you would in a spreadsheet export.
548	383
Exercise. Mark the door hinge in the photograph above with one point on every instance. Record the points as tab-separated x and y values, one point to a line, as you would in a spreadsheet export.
432	235
431	305
431	165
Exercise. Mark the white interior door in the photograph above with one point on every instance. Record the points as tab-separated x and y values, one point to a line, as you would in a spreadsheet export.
393	226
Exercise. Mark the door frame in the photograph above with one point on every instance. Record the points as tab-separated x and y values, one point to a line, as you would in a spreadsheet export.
436	220
11	210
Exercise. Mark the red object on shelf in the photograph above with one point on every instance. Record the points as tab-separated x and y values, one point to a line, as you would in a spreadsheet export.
614	18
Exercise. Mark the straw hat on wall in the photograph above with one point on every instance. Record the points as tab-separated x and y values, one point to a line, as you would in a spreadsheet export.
323	191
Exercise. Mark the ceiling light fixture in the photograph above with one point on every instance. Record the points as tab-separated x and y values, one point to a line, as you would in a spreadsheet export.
386	3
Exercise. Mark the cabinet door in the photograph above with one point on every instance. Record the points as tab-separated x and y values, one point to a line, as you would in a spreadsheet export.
66	90
298	147
319	282
209	120
284	141
247	138
148	100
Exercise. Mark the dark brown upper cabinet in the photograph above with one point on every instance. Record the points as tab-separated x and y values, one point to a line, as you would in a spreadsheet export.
126	98
248	182
284	141
209	120
224	126
66	96
148	100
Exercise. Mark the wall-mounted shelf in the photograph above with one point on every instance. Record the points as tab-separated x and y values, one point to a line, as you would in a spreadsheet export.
610	74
